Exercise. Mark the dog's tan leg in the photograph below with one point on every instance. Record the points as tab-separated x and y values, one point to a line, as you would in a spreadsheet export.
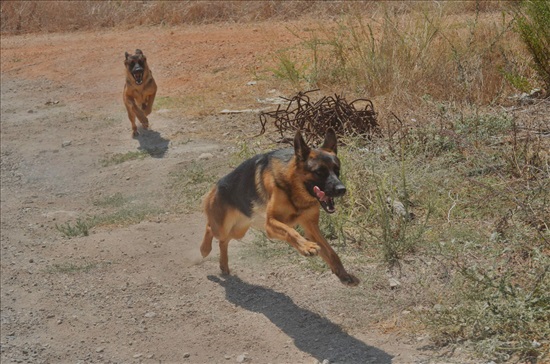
275	227
278	230
224	259
328	254
142	118
149	104
206	246
136	110
132	118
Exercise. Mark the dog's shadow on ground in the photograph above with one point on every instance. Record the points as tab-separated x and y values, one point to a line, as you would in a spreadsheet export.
153	143
311	332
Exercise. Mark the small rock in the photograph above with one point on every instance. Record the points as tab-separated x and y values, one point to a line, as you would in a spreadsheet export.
394	283
326	361
251	83
138	355
186	355
150	314
206	156
66	143
528	98
30	111
99	350
31	260
398	208
241	358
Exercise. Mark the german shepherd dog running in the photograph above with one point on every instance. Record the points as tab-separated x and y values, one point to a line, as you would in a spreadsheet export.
139	90
279	190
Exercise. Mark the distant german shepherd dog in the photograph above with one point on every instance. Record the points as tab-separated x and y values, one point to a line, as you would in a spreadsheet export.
139	91
280	190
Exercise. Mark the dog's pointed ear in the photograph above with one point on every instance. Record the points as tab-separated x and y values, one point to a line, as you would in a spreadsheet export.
138	51
301	149
331	141
127	55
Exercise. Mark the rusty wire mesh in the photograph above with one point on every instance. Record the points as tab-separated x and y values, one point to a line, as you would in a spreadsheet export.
313	119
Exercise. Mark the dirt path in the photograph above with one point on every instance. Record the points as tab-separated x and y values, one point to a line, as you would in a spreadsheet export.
139	291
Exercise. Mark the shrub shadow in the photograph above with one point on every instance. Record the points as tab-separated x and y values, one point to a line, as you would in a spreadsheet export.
153	143
311	332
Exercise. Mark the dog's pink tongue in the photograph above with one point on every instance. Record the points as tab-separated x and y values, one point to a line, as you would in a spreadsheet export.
320	194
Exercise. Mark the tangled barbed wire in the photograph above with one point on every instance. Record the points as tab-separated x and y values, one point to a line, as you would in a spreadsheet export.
313	119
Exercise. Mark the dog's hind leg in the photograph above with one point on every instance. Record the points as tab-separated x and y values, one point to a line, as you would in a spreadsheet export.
224	259
241	224
206	246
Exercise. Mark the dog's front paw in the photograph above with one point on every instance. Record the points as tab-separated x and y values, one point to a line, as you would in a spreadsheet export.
309	249
349	280
135	133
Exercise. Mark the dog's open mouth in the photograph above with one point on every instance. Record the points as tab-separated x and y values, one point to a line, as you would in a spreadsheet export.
327	203
138	76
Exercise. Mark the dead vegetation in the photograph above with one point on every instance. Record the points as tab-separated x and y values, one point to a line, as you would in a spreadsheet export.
18	17
314	118
57	16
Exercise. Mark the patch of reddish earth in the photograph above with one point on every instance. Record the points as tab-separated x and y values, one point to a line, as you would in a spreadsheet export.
141	292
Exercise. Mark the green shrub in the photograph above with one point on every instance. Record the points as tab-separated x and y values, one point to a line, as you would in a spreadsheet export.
533	24
80	228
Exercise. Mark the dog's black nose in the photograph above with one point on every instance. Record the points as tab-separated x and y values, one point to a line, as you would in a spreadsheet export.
340	190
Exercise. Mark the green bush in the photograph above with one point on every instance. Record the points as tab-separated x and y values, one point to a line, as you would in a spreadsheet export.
80	228
533	24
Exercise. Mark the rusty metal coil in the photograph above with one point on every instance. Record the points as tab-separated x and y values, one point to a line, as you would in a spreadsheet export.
313	119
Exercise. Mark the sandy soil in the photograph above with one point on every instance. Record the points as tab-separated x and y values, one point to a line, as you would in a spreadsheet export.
141	292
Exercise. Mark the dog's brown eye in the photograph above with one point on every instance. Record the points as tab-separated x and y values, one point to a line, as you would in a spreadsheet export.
319	172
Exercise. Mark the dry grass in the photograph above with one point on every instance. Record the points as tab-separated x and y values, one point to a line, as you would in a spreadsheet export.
58	16
403	52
